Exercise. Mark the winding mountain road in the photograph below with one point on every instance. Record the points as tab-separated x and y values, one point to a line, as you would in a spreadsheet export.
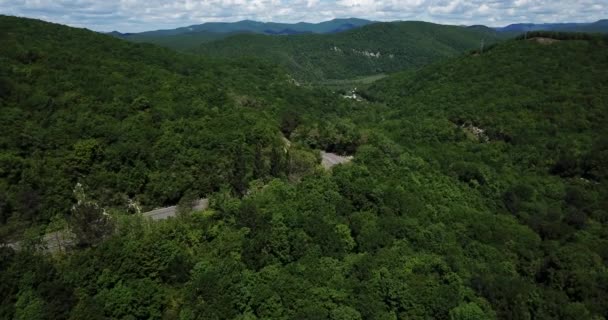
60	240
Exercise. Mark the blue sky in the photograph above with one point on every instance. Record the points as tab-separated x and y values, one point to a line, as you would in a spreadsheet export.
142	15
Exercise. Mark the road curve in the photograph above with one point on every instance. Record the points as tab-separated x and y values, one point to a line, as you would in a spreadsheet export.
169	212
60	240
330	160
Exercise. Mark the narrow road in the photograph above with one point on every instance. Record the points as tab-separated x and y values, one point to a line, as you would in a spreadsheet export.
331	159
328	159
60	240
168	212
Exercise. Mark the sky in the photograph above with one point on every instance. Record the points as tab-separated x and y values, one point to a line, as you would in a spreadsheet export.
145	15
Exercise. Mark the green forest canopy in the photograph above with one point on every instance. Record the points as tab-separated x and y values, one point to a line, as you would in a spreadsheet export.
132	121
369	50
478	190
188	38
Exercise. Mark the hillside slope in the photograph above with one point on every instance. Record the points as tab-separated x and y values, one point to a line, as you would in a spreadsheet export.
181	42
505	90
128	121
524	124
191	37
248	26
373	49
478	187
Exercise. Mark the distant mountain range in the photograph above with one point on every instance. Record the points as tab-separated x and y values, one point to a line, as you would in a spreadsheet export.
248	26
187	38
373	49
342	48
600	26
221	29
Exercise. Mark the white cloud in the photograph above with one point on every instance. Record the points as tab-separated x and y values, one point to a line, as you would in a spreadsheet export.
140	15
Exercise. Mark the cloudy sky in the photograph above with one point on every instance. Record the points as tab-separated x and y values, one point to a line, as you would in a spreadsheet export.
142	15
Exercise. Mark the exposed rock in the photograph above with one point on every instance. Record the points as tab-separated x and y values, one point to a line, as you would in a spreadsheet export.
368	54
478	133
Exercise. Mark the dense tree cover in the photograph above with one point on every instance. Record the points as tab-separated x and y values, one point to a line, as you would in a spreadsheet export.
249	26
478	190
131	123
181	42
189	38
372	49
525	125
557	35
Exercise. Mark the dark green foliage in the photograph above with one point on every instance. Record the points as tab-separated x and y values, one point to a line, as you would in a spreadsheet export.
478	188
130	122
522	124
600	26
191	37
182	42
562	35
249	26
88	222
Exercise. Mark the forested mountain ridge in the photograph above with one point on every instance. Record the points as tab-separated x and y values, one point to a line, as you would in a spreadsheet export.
372	49
525	124
248	26
477	191
129	121
187	38
600	26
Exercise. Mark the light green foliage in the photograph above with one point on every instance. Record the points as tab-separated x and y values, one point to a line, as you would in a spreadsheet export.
301	163
469	311
138	299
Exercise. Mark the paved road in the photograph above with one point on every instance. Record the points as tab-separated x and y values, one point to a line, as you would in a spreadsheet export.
59	240
331	159
168	212
63	239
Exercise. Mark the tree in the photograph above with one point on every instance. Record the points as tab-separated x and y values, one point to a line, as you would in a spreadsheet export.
29	306
468	311
89	222
301	163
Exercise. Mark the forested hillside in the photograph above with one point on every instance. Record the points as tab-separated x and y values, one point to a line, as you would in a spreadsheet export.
248	26
600	26
373	49
180	42
478	188
524	126
189	38
130	122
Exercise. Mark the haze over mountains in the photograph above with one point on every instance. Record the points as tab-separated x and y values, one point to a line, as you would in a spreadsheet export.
331	26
